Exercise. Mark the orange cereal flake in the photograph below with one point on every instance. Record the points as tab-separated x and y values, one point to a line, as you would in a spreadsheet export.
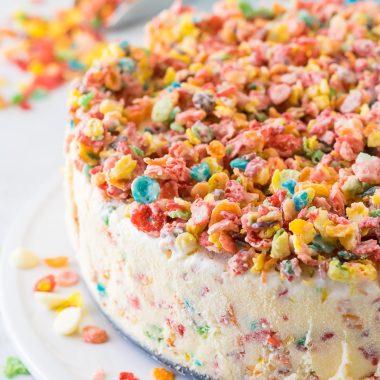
56	262
163	374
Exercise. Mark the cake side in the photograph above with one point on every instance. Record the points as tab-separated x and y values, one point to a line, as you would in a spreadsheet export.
190	310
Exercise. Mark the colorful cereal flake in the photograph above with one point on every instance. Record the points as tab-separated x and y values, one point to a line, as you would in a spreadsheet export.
14	367
94	335
127	376
163	374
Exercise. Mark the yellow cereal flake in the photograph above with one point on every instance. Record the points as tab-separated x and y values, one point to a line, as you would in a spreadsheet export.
218	181
280	245
373	140
169	76
123	168
73	300
352	271
216	149
304	229
186	243
346	233
108	105
357	211
94	129
258	263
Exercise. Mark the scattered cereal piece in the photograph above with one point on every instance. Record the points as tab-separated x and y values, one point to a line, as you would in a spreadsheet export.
67	278
73	300
162	374
24	258
49	300
14	367
99	374
56	262
45	284
94	335
127	376
67	321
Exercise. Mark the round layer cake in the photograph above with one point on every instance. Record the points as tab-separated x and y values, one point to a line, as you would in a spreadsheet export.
223	190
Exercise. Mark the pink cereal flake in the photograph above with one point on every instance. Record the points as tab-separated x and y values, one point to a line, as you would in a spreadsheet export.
94	335
352	101
99	374
67	278
368	171
279	93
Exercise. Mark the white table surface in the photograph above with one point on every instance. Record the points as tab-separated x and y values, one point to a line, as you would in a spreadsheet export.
31	142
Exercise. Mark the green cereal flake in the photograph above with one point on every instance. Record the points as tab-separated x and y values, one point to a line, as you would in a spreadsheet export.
321	245
203	330
301	342
86	170
17	98
261	116
179	214
307	18
96	22
317	156
137	151
288	267
249	12
174	113
375	213
106	212
346	255
84	100
177	127
14	367
39	94
162	110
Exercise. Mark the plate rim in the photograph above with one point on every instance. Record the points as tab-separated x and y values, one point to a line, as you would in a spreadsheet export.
12	314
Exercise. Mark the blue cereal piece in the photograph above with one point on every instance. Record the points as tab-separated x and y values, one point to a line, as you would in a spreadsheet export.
125	46
239	163
76	65
128	65
289	185
173	86
301	200
145	190
101	289
201	172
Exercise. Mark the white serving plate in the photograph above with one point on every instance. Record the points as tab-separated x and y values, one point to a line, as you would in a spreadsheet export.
41	227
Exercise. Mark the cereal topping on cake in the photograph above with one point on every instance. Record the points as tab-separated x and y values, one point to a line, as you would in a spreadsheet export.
249	132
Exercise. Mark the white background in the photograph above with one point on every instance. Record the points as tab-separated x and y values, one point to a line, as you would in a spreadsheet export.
31	142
